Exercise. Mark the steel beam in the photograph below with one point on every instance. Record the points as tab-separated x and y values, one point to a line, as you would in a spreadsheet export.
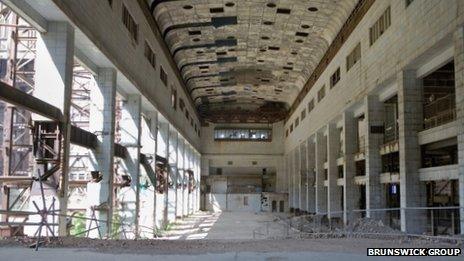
29	102
78	136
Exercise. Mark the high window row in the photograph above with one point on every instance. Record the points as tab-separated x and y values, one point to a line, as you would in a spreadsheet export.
375	32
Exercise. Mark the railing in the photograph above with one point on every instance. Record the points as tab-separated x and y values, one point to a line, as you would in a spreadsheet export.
440	111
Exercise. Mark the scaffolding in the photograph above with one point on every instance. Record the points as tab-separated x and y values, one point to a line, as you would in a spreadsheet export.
17	55
31	161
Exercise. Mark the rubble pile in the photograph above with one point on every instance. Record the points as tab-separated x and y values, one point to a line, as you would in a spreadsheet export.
372	226
317	224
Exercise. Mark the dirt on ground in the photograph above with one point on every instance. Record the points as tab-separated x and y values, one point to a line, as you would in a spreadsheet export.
157	246
319	227
296	234
369	225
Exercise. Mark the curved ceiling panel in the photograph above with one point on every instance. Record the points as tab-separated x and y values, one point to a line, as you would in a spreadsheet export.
248	54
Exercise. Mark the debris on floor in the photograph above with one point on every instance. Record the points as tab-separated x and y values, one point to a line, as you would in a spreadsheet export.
369	225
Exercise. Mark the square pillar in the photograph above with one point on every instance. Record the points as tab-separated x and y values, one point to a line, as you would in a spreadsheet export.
281	175
410	119
130	138
172	176
297	179
351	191
334	191
185	194
311	175
53	83
321	194
303	175
288	165
459	81
375	191
180	178
162	143
148	175
191	194
102	122
198	180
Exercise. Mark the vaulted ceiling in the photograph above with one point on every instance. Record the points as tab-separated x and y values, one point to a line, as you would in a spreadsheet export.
248	57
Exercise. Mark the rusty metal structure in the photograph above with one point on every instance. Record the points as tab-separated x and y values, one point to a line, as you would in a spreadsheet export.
31	156
17	51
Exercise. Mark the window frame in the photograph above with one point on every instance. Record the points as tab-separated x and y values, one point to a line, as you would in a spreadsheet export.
130	24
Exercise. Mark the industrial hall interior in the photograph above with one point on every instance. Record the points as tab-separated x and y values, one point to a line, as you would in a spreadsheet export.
145	122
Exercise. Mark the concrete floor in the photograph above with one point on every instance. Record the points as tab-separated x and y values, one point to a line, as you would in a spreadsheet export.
225	225
223	236
20	254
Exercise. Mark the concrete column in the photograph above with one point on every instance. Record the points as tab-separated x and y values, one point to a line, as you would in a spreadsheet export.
311	170
375	192
191	198
196	174
351	191
193	194
281	175
147	177
180	178
102	123
410	120
155	131
303	175
53	83
161	212
198	180
130	138
297	179
186	199
321	152
459	81
172	179
288	166
333	191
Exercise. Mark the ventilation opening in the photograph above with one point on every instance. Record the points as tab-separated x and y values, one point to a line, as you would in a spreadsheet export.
283	11
302	34
274	48
195	32
313	9
216	10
